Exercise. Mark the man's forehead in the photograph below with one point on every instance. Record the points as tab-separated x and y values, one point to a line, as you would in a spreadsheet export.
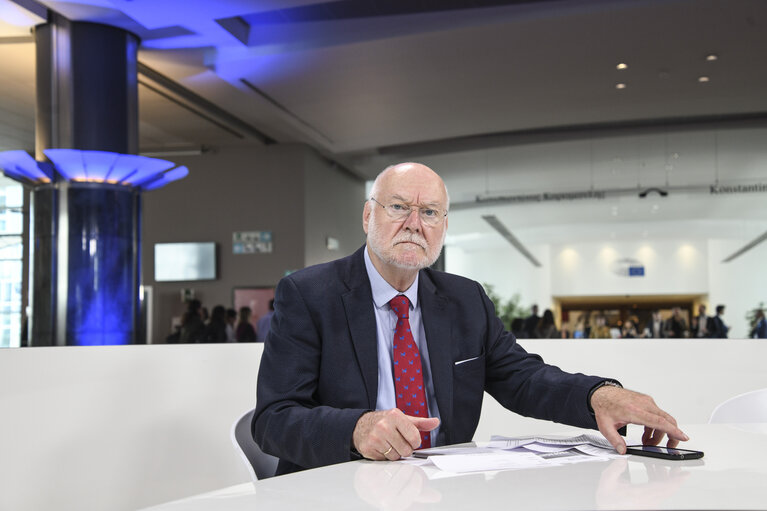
419	198
412	188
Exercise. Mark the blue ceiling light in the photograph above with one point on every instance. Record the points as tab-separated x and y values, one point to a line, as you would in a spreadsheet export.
167	177
91	167
19	165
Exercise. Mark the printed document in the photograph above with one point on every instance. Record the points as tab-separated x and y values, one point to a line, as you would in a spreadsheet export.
510	453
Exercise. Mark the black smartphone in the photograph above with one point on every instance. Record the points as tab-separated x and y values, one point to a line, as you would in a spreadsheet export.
666	453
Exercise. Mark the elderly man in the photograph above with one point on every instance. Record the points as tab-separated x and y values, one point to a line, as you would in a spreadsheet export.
375	355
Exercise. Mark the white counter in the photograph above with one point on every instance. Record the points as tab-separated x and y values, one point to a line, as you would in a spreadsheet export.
126	427
732	475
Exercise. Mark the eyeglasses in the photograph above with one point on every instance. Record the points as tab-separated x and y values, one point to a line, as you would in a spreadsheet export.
400	211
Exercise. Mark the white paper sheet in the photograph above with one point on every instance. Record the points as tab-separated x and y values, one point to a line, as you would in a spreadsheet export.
460	463
443	451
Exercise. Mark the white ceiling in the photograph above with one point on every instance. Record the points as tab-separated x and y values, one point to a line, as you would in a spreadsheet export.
501	99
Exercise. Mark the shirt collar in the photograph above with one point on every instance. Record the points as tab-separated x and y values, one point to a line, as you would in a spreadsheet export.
383	292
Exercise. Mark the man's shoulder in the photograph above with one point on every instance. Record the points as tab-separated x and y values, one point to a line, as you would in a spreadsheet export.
449	283
336	271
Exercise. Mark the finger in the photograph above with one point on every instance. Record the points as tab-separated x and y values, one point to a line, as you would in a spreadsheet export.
673	441
424	423
652	436
658	422
612	436
647	435
401	445
673	432
409	434
390	453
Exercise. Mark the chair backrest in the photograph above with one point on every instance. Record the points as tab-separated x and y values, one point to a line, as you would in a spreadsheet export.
259	464
745	408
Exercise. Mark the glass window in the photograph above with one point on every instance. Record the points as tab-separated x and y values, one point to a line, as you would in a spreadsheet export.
11	253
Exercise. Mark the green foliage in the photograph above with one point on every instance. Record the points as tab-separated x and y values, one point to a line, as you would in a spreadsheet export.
506	310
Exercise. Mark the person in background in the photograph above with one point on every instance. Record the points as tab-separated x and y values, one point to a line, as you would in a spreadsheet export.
216	329
654	327
531	323
701	329
516	326
245	331
264	322
718	328
676	326
580	331
600	330
547	329
192	325
231	320
629	331
759	331
376	354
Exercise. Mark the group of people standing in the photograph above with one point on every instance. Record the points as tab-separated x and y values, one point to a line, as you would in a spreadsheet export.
701	326
675	326
224	325
536	327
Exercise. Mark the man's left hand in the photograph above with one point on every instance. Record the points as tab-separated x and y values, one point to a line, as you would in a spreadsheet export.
615	407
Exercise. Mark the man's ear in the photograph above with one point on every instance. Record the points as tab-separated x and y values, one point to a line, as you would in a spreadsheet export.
366	216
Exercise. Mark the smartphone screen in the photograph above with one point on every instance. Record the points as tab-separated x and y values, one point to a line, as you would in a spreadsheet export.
667	453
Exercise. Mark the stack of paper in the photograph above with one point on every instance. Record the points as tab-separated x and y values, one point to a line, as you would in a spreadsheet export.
505	453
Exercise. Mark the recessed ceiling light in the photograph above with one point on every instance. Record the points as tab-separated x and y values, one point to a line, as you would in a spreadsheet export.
703	79
620	85
712	57
622	65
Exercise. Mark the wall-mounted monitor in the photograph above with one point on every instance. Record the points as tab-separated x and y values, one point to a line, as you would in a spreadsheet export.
175	262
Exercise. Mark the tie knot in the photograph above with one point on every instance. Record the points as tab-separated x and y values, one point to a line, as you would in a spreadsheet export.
400	304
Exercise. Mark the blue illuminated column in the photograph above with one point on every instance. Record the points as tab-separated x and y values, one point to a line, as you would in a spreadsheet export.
86	183
84	237
86	208
99	240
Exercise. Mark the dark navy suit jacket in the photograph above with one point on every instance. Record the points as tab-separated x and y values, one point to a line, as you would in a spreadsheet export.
319	370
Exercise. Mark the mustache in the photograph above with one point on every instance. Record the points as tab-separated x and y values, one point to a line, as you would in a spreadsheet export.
410	238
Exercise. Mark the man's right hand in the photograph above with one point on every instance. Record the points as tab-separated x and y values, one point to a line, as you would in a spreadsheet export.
390	434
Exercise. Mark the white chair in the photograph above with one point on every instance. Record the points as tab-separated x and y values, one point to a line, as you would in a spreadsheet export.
259	464
745	408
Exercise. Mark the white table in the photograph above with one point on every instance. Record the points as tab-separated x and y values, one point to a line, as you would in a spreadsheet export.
732	475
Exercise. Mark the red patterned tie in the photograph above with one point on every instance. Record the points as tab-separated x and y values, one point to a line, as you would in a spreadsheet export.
408	377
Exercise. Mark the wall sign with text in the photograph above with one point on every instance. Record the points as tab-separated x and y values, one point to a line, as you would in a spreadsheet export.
628	267
252	242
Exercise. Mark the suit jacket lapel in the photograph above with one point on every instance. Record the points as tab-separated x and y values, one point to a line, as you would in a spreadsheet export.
358	303
438	328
